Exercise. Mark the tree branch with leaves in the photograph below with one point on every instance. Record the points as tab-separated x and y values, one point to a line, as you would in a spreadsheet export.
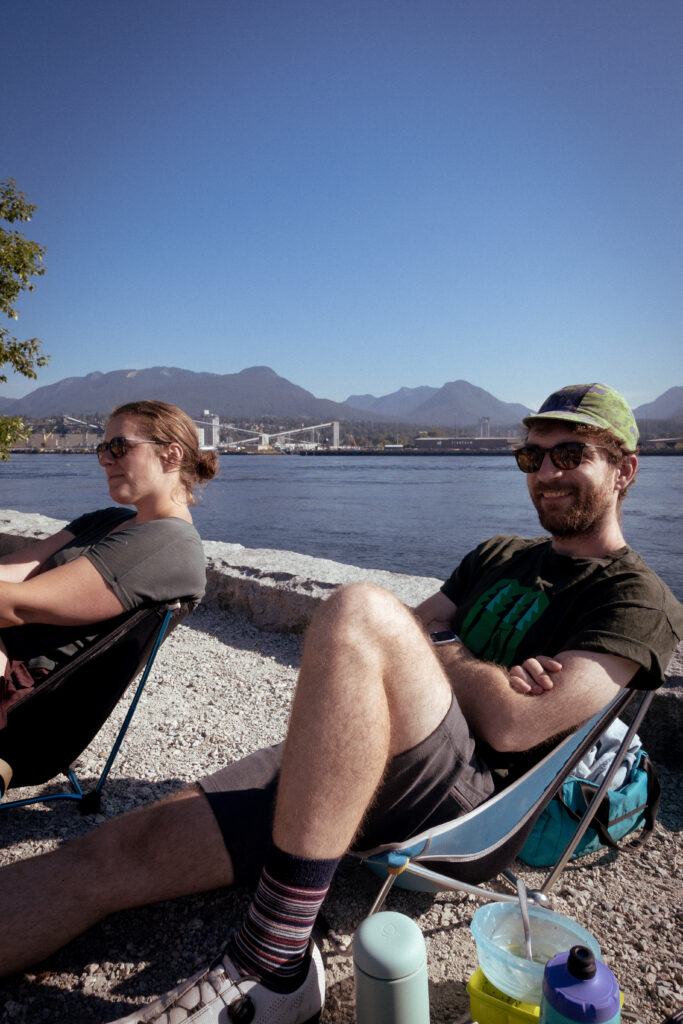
20	261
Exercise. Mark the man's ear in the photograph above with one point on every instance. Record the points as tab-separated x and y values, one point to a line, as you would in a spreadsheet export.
628	468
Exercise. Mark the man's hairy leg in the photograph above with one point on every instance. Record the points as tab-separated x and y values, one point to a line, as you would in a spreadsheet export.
168	849
370	687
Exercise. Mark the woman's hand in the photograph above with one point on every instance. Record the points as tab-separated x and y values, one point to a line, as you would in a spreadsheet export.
534	676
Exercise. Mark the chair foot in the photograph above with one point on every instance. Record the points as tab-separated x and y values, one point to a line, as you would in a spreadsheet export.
90	803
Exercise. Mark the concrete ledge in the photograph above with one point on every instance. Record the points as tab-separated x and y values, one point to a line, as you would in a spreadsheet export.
279	590
19	528
661	731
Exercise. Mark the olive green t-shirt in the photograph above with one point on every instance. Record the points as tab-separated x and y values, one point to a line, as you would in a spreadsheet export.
517	598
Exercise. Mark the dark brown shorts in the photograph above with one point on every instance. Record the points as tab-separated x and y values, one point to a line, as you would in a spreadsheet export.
434	782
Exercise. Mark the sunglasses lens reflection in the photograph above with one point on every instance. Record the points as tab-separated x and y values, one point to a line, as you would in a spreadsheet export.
117	447
566	455
529	459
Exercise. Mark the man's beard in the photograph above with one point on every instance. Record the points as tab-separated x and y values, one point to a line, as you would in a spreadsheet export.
581	519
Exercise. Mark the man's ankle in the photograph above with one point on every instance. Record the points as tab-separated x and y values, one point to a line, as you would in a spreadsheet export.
273	942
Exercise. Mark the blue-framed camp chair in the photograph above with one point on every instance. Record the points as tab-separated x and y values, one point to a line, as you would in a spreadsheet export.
482	844
53	723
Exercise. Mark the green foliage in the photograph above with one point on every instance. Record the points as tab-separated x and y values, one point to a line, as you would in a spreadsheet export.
11	430
20	261
368	434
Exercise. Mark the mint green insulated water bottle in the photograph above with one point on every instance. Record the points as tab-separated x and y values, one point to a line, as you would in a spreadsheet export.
577	987
390	971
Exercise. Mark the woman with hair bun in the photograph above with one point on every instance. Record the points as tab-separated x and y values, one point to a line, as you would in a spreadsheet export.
166	424
111	561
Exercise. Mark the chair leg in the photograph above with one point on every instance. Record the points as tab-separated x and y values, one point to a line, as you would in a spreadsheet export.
382	894
76	793
584	824
133	705
90	803
534	896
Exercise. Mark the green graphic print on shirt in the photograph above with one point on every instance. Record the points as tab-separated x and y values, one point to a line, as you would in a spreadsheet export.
499	619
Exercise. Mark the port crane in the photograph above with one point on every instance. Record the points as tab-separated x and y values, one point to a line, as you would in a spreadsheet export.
85	425
95	426
264	440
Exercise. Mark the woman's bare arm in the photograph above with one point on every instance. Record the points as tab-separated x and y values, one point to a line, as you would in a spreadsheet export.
20	565
69	595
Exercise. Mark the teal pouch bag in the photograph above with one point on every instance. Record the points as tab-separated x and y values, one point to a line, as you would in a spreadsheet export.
622	811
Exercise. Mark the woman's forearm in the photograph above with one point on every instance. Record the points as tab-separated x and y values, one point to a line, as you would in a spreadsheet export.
20	565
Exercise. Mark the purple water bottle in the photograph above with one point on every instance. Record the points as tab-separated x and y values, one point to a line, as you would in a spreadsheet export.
577	987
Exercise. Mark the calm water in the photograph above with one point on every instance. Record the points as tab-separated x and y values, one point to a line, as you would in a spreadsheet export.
412	515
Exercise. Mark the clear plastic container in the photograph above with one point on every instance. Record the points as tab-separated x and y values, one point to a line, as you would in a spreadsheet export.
499	934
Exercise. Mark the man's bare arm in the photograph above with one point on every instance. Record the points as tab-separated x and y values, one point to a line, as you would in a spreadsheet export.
496	702
436	612
512	721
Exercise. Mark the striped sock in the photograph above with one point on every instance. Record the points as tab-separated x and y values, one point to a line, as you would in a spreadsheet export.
273	939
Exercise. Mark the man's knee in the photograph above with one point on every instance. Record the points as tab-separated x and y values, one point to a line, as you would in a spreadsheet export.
364	633
364	609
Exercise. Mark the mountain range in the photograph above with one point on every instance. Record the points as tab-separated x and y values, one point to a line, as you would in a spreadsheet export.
456	403
258	391
668	406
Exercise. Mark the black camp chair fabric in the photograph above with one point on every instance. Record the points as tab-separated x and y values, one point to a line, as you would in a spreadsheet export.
48	729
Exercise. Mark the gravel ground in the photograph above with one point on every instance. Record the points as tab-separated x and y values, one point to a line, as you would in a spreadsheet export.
221	684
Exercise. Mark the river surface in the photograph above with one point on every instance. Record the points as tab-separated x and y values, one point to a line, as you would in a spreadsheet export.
413	515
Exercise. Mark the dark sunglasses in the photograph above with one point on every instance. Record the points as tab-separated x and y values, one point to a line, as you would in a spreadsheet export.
566	455
118	446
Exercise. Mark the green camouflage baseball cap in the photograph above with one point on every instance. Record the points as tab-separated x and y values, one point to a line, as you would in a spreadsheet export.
594	404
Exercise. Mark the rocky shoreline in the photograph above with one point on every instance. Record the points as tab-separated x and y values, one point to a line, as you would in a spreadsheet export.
220	688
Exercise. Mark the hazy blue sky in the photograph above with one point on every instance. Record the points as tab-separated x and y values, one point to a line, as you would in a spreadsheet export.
361	194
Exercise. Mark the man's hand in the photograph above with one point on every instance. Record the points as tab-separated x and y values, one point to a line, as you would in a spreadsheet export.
534	675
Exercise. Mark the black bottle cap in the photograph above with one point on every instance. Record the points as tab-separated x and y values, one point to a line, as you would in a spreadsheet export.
581	963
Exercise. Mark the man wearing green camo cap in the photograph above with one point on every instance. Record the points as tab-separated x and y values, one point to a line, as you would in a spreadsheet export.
596	405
